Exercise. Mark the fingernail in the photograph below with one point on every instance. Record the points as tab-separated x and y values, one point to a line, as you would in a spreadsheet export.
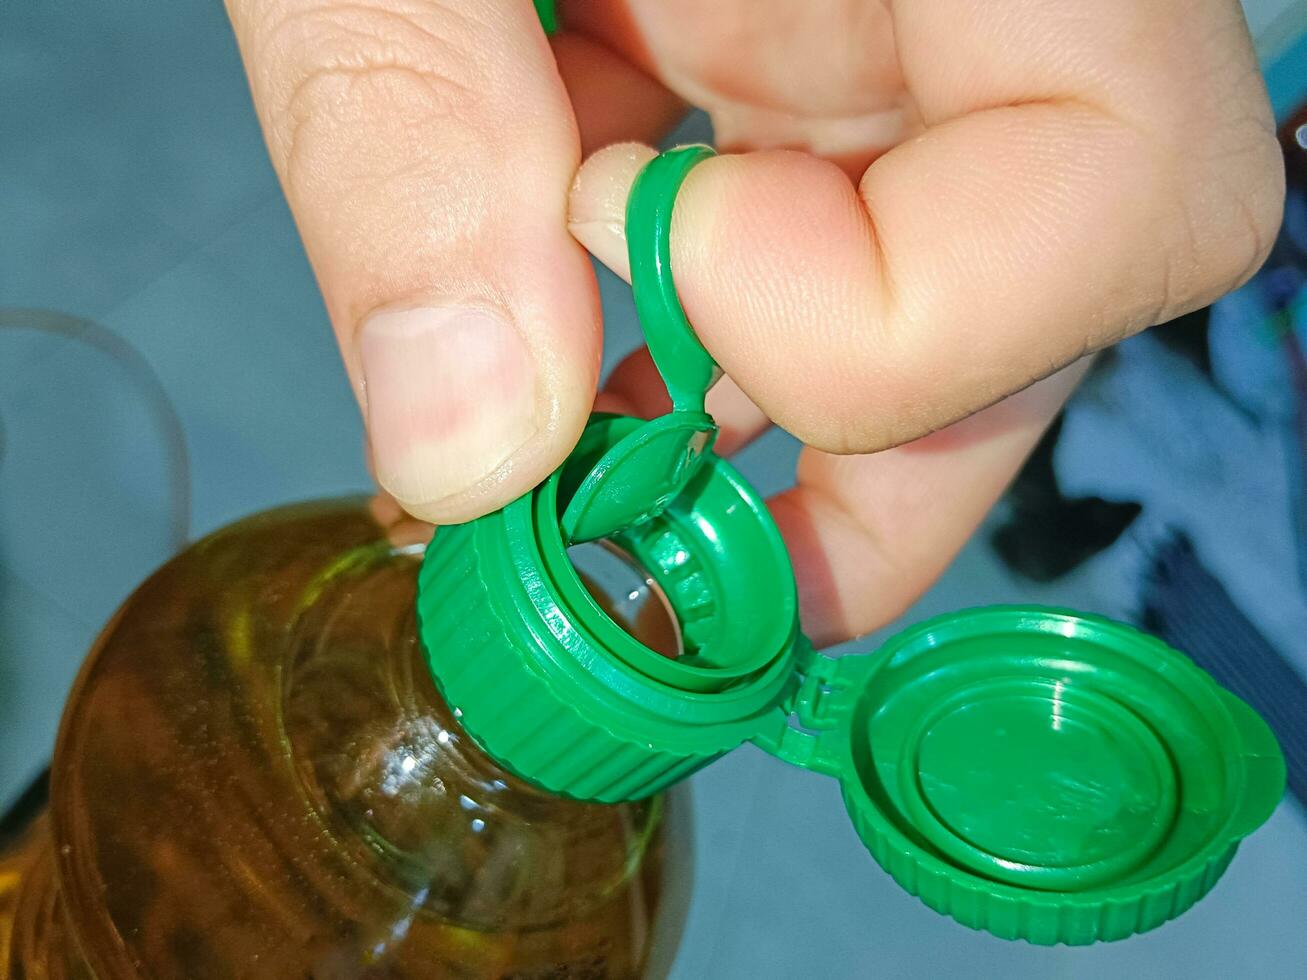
450	396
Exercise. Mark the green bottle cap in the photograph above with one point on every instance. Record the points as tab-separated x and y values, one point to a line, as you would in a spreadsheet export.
1037	773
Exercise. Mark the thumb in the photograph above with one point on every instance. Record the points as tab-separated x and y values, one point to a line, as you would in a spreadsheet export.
426	152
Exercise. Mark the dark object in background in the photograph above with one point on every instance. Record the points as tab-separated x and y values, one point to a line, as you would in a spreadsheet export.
1293	139
1185	605
25	809
1047	534
1187	335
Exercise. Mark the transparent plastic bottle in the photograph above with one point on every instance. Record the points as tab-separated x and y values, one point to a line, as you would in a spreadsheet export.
255	777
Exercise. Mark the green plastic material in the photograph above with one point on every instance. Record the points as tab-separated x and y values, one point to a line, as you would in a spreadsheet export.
561	694
1037	773
640	475
547	12
687	369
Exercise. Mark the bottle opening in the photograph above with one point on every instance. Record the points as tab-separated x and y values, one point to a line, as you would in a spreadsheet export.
629	595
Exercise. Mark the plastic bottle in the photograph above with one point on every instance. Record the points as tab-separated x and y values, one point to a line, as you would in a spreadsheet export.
255	777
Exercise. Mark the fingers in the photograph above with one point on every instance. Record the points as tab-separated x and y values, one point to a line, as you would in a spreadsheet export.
426	151
1077	180
869	534
819	76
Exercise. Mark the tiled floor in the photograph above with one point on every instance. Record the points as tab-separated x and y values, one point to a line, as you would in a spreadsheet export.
134	190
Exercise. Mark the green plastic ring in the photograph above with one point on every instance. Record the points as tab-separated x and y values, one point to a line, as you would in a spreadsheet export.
687	368
634	480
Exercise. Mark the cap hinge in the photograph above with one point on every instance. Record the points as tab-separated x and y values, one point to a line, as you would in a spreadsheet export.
805	731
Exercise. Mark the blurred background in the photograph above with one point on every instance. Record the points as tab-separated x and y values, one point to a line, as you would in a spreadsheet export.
166	367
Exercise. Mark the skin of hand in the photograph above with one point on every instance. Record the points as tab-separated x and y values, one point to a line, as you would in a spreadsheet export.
926	215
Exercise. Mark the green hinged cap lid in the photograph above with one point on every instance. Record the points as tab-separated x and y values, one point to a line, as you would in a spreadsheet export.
1037	773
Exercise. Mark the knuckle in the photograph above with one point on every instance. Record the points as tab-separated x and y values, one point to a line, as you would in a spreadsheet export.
1256	206
1228	200
1227	214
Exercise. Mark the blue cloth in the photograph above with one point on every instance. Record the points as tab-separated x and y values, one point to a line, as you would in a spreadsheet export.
1185	605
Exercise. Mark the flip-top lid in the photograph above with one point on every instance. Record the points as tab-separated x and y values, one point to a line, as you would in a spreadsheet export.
1039	773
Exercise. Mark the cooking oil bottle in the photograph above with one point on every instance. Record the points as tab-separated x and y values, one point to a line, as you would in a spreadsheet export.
255	777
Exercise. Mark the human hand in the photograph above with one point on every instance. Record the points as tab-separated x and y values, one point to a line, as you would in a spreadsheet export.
925	207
